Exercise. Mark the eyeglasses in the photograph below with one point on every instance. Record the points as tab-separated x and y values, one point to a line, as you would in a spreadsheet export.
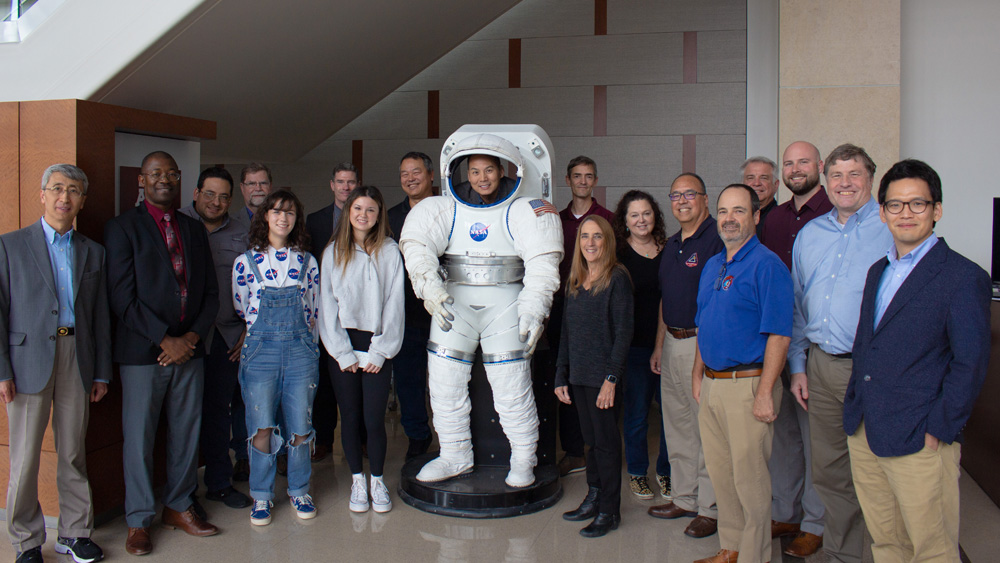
688	195
722	276
211	196
157	174
58	191
895	206
255	184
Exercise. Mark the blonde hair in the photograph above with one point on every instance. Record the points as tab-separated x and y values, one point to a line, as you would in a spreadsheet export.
343	238
606	263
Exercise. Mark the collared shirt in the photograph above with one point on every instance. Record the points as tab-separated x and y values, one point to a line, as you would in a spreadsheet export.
740	304
784	224
570	224
158	215
681	263
62	258
830	263
228	241
896	272
764	212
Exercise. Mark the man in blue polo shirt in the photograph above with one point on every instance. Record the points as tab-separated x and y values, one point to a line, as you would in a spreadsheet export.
744	326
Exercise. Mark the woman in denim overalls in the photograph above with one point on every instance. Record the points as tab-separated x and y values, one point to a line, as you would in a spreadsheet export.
276	290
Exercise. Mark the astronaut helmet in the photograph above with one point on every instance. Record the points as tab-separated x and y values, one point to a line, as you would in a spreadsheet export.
486	151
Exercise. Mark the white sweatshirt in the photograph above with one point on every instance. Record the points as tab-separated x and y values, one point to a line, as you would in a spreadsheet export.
367	296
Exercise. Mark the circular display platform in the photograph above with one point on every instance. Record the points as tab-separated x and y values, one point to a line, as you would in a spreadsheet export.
479	494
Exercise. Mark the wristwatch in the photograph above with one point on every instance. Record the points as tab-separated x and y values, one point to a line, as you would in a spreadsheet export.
613	379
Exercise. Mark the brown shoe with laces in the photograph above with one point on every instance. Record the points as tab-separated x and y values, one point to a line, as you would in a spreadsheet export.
138	542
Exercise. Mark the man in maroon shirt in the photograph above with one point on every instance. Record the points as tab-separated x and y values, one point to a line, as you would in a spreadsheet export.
581	177
796	508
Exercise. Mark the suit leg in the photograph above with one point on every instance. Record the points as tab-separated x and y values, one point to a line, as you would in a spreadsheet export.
27	417
70	415
143	388
183	404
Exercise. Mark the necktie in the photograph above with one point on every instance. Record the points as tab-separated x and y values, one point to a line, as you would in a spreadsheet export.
176	259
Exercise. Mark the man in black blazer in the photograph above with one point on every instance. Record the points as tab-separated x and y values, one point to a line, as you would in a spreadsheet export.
55	357
163	290
320	226
920	356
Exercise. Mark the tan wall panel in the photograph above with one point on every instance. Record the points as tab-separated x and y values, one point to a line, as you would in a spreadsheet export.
400	114
722	56
560	111
9	166
627	162
644	16
648	58
719	158
850	42
677	109
542	18
827	117
473	64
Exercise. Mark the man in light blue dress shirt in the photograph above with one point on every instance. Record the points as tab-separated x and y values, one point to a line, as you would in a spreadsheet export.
830	260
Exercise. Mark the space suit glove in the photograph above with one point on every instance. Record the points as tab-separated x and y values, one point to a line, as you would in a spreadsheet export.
529	330
435	300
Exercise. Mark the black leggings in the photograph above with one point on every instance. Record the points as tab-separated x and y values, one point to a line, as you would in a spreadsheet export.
362	398
604	458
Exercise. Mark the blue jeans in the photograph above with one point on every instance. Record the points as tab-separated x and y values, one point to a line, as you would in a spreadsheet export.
410	374
279	366
641	385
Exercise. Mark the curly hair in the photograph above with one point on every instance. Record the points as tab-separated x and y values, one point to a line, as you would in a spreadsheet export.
659	231
282	200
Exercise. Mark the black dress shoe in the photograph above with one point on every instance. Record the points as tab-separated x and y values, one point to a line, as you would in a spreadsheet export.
418	447
241	470
587	508
197	508
33	555
601	525
230	497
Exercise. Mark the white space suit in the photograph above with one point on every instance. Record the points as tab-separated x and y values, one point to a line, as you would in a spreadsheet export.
487	274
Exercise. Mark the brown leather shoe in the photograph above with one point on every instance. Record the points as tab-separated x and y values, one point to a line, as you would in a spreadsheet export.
138	542
702	527
804	545
779	529
189	522
723	556
669	511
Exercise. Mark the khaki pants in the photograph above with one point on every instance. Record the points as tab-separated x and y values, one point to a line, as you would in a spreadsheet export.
692	489
844	534
737	448
27	416
910	502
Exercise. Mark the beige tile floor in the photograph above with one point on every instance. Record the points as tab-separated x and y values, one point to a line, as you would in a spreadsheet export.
409	535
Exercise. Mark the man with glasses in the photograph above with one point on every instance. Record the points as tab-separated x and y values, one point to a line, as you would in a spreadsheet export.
744	325
163	289
830	260
320	226
58	362
255	185
920	358
796	509
228	239
683	258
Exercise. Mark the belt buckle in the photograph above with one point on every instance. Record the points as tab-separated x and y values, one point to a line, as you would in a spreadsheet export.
62	331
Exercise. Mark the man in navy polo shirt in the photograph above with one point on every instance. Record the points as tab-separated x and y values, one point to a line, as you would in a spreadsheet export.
683	258
744	326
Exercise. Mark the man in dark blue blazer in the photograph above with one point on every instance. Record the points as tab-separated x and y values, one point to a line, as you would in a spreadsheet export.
163	290
920	356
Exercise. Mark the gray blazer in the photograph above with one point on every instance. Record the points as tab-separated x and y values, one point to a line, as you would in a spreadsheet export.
29	310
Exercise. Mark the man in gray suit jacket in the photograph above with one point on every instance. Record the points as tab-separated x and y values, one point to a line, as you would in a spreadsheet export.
55	354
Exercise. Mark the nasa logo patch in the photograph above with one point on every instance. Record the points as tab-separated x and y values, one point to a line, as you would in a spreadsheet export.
692	262
281	255
239	267
727	283
240	280
293	273
271	274
479	232
258	258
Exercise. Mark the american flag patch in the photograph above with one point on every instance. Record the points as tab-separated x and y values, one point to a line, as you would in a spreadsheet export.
541	206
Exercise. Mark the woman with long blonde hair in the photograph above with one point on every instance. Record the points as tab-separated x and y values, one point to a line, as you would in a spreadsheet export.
361	323
594	345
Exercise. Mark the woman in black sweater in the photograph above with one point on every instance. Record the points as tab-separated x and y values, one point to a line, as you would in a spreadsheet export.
596	335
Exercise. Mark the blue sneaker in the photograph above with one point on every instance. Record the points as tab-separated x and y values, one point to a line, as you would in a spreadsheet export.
304	507
82	549
260	514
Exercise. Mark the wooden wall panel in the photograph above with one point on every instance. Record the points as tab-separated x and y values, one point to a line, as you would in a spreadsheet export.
9	167
47	137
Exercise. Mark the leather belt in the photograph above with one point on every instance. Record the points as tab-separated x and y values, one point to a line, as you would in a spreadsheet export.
733	374
844	356
66	331
682	333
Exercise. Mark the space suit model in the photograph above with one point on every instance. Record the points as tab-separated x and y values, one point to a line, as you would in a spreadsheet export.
486	272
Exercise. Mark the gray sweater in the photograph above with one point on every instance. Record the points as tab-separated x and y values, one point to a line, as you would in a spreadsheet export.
596	333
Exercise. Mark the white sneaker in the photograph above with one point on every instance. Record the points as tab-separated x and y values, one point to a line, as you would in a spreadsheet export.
439	469
359	495
380	495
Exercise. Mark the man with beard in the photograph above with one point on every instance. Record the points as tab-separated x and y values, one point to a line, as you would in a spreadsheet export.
795	508
830	262
744	325
255	185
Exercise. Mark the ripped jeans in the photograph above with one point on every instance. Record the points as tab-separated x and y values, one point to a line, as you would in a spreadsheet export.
279	366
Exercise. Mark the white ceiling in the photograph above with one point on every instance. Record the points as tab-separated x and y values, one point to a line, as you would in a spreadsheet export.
281	77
